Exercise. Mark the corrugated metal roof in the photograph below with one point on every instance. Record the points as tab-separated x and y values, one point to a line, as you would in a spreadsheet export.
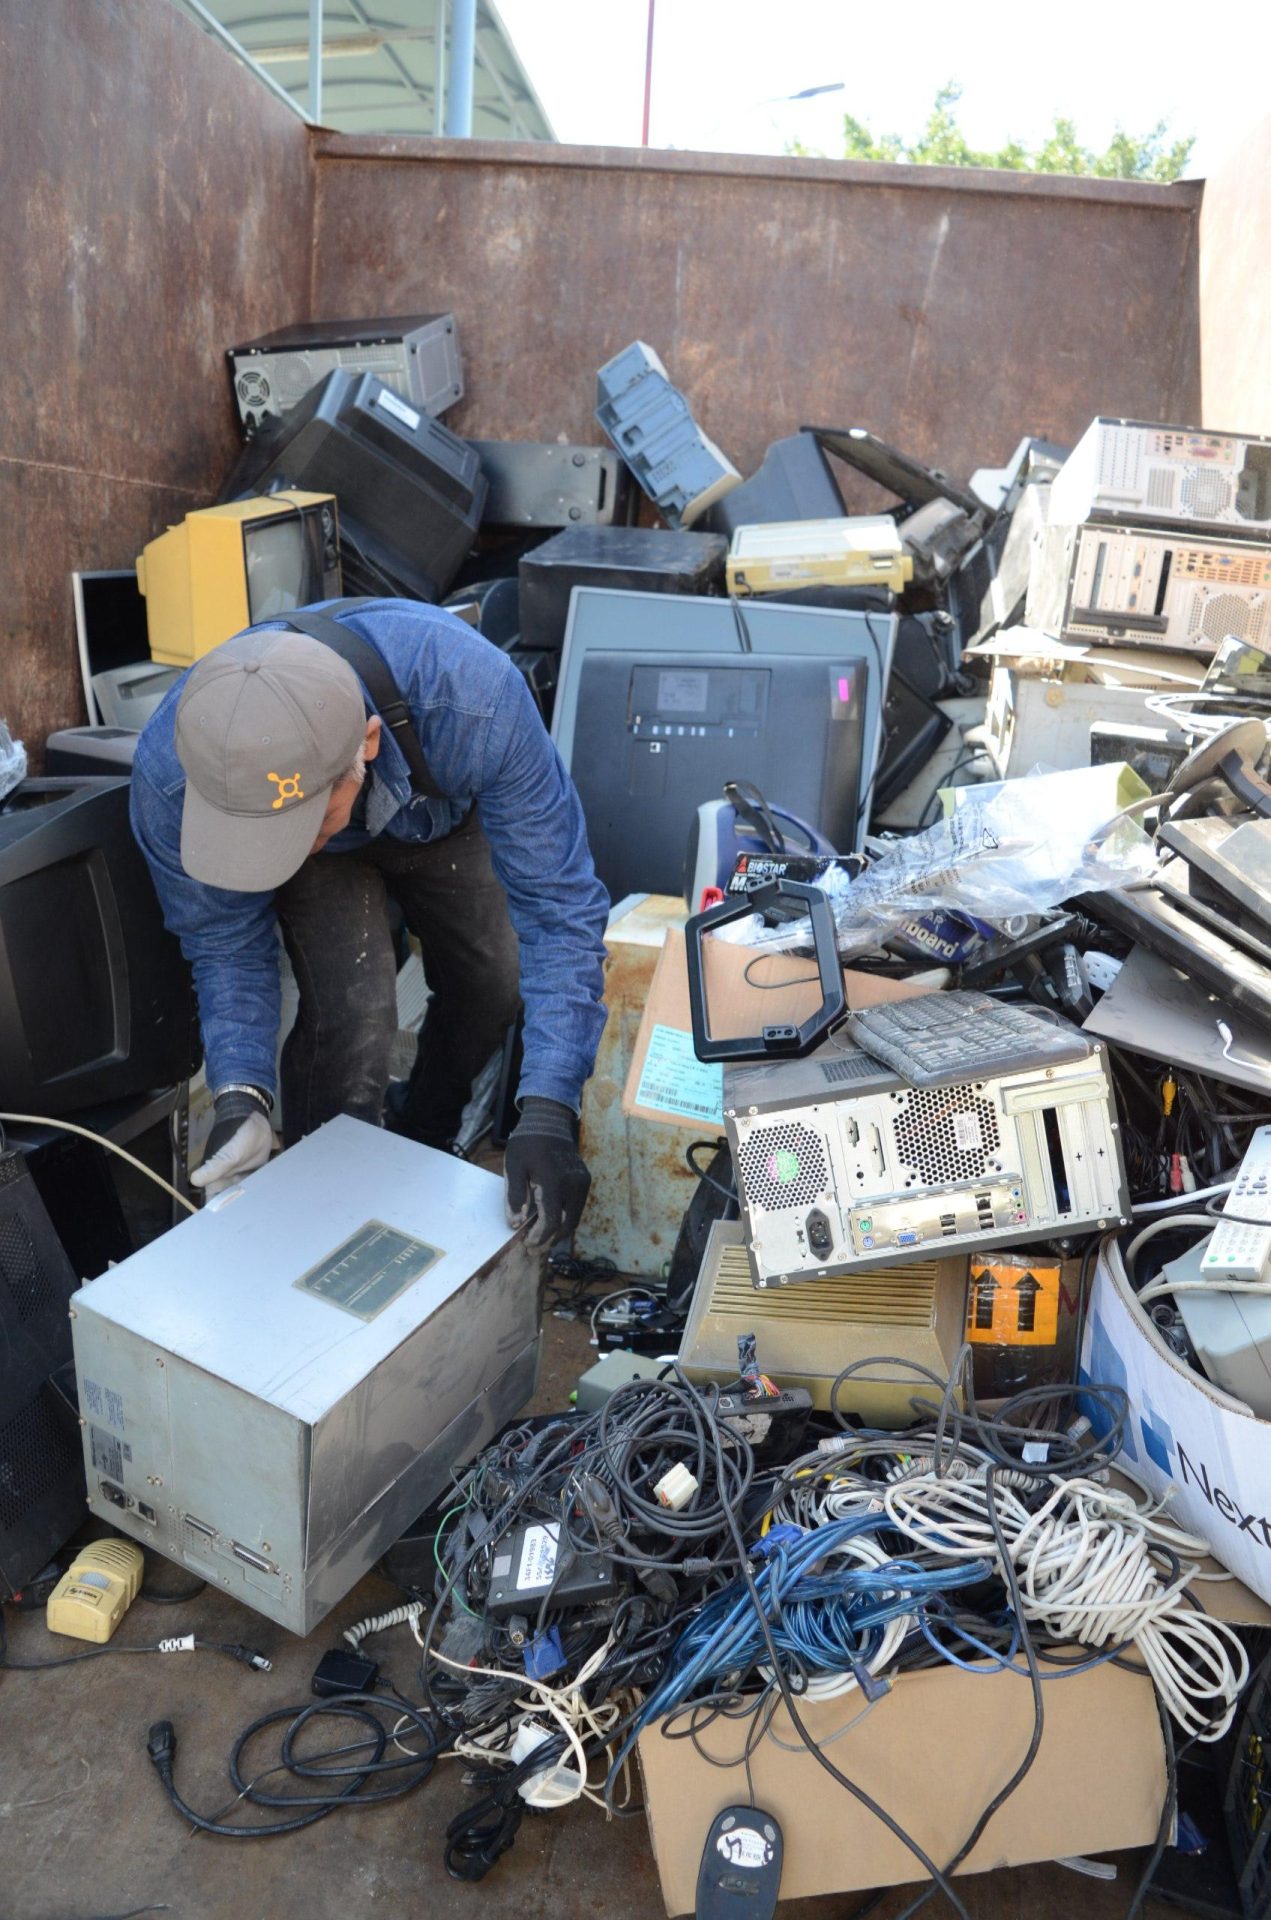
379	65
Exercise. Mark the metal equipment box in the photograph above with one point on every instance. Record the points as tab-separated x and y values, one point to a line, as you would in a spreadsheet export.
416	354
808	1335
776	558
1132	586
1132	472
275	1389
841	1165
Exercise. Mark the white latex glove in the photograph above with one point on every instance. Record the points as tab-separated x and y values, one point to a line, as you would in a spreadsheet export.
246	1142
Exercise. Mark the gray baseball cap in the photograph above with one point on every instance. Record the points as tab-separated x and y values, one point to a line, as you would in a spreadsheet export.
266	724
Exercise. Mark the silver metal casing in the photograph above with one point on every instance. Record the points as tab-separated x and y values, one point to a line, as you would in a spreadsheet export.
1186	478
1135	586
842	1165
417	355
275	1389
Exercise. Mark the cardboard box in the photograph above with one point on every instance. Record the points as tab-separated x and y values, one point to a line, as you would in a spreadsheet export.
1186	1439
641	1181
933	1752
667	1083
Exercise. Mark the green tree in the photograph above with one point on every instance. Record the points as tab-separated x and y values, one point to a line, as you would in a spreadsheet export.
942	143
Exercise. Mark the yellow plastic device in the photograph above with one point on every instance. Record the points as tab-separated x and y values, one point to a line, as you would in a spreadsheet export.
96	1591
224	568
860	552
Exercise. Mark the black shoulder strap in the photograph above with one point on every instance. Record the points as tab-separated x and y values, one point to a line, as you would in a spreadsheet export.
376	678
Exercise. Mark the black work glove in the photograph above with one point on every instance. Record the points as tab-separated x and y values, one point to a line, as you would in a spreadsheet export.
543	1172
240	1141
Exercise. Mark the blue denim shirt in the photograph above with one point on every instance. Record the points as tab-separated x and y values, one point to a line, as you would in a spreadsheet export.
484	741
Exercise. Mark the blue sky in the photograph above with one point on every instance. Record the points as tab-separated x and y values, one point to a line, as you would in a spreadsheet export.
721	67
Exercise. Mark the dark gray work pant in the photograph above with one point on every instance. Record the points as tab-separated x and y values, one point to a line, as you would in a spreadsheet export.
334	916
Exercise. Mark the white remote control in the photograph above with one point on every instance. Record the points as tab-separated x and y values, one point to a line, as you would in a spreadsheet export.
1240	1249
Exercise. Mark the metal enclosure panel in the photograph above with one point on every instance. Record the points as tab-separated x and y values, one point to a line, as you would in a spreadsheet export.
219	1290
268	1436
1188	478
886	1173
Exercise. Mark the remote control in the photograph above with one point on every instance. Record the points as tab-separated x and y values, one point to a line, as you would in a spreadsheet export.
1239	1249
740	1874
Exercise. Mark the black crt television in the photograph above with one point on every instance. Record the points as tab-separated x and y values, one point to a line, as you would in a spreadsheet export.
95	998
410	492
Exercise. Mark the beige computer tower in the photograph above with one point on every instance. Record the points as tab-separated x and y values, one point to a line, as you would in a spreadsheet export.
808	1334
860	552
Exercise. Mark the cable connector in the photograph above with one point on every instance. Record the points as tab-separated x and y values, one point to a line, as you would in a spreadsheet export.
836	1443
250	1658
182	1643
161	1745
676	1487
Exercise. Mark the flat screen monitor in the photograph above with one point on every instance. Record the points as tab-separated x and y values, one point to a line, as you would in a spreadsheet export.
95	998
228	567
663	698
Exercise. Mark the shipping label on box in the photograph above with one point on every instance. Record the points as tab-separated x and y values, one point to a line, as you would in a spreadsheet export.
1185	1439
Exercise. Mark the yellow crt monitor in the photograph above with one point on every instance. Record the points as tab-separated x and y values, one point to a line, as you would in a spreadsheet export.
225	568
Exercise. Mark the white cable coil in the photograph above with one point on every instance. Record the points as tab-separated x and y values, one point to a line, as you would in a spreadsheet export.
1087	1574
402	1616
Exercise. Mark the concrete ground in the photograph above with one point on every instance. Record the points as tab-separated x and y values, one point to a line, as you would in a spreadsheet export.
86	1831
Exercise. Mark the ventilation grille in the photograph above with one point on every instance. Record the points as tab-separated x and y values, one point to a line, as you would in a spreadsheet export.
946	1133
1119	457
853	1066
782	1167
22	1269
1224	568
890	1297
1206	493
1216	615
39	1447
1160	487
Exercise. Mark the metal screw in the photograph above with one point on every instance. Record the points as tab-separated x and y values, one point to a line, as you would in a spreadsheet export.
158	1362
71	1314
82	1421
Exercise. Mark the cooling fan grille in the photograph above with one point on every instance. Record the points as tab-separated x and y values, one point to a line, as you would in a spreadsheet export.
782	1166
947	1133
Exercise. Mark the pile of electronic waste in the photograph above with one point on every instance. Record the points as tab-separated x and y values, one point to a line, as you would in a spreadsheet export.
991	870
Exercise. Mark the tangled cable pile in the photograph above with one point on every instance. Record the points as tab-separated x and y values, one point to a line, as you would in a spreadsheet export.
687	1556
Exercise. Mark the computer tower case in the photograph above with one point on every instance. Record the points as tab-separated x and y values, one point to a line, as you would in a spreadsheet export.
41	1466
416	354
794	482
638	559
1138	586
410	492
542	483
842	1165
1187	479
97	1002
275	1389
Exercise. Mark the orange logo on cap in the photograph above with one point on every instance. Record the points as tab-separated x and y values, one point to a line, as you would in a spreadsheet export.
288	788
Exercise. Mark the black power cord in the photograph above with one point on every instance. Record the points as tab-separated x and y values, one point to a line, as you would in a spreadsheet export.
248	1656
363	1760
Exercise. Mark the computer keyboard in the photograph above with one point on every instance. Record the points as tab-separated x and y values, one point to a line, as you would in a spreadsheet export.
939	1037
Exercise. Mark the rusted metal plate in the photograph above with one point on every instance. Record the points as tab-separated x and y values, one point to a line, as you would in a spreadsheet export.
949	312
157	207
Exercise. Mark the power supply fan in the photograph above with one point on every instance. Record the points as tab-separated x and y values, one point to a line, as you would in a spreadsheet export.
782	1167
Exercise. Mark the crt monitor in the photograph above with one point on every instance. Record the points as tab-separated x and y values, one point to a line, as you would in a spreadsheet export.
410	492
225	568
95	998
664	697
